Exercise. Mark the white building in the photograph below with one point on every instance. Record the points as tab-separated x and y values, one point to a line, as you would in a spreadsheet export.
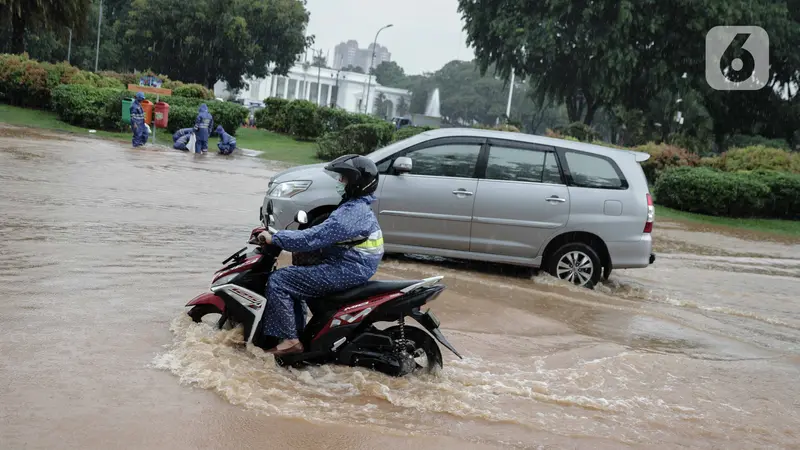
345	90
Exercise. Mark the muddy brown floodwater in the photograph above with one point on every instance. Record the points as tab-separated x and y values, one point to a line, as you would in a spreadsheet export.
102	245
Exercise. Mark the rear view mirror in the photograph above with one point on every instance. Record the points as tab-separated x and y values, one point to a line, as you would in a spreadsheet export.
402	164
301	217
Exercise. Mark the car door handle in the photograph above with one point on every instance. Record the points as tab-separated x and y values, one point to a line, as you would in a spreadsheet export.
462	192
555	199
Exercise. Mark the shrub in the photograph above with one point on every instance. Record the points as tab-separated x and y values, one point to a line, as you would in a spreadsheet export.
783	201
183	117
557	135
229	115
760	157
333	119
360	139
407	132
708	191
273	116
744	140
663	157
501	127
579	131
193	91
303	122
87	106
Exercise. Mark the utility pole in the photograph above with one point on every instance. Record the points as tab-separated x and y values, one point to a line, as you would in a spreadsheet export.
371	61
336	101
510	94
319	74
99	23
69	46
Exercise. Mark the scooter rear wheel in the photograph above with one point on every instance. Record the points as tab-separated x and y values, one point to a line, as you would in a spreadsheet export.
420	345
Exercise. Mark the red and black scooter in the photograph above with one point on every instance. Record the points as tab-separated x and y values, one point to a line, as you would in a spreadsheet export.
342	329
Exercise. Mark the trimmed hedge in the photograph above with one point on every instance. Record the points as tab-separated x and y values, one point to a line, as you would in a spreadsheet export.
305	120
88	107
360	139
407	132
229	115
101	108
704	190
273	116
29	83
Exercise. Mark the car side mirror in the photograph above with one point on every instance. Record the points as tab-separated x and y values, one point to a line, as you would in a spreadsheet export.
301	217
402	164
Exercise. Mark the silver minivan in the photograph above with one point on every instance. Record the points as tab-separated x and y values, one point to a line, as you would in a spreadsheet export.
573	209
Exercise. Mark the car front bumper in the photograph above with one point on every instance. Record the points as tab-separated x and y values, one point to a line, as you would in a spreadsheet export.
283	211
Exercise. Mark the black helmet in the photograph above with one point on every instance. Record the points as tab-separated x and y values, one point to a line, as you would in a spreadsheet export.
361	174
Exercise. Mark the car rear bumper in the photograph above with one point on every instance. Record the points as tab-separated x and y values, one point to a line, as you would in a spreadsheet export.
632	254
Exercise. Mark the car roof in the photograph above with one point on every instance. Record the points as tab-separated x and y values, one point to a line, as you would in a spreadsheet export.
533	139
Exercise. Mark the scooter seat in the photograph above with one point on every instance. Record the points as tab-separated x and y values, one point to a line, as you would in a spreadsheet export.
368	289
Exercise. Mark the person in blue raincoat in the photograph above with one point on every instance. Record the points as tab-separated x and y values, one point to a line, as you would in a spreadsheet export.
202	127
227	143
140	132
181	138
350	246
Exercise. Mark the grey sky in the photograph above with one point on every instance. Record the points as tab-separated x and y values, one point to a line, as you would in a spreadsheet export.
426	33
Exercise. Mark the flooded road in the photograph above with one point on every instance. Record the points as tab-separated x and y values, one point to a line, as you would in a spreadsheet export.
102	245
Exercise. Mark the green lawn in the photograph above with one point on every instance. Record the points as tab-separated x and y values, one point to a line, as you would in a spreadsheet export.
787	228
277	147
274	146
49	120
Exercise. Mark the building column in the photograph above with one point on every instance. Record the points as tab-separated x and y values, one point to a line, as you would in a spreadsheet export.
286	88
330	93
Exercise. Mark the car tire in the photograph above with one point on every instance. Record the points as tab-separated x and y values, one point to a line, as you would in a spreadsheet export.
577	263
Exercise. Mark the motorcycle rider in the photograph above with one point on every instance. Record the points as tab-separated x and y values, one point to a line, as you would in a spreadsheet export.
350	246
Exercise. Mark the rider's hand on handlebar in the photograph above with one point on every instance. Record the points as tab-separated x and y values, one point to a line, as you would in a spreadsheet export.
264	238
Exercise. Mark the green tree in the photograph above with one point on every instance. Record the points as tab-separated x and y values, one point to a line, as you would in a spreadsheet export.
43	15
355	69
402	107
389	74
216	39
319	61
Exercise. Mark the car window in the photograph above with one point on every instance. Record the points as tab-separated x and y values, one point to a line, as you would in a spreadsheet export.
384	166
593	172
515	164
551	173
448	160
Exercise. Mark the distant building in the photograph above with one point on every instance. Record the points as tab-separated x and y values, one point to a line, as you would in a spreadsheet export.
345	90
349	54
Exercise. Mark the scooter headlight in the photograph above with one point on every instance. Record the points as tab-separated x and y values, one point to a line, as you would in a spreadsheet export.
288	189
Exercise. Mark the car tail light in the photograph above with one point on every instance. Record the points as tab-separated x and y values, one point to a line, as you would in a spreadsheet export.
651	215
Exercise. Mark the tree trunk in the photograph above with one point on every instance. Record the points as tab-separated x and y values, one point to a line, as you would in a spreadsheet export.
590	112
18	33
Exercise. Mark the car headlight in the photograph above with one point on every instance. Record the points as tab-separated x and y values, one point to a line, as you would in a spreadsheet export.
288	189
